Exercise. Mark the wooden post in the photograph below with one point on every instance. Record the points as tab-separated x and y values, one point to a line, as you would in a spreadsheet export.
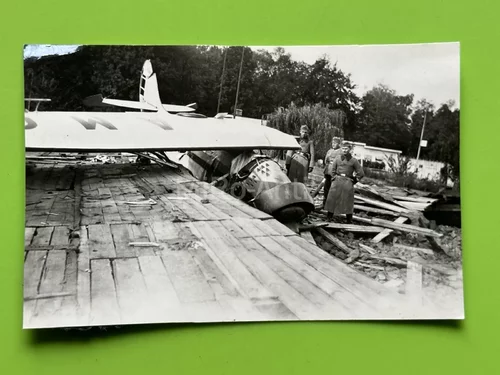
239	79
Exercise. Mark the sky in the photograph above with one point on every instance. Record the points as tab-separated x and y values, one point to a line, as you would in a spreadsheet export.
430	71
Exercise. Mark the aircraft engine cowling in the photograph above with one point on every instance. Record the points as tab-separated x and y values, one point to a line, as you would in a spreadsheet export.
263	183
259	180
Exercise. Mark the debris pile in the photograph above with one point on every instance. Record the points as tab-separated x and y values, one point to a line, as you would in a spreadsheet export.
388	233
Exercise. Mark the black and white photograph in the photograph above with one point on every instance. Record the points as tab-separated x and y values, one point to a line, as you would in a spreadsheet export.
208	183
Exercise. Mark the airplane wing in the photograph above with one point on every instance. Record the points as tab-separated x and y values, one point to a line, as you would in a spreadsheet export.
140	131
99	101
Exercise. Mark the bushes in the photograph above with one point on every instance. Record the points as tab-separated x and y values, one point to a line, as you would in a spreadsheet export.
323	123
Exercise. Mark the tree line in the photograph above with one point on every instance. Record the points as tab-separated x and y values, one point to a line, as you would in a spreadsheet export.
288	92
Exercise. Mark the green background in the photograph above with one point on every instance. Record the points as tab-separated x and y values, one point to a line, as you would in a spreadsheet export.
337	347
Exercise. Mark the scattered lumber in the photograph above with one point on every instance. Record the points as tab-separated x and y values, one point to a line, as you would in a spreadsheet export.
415	199
368	265
309	237
354	228
398	226
374	210
379	237
334	241
412	248
308	227
387	206
368	249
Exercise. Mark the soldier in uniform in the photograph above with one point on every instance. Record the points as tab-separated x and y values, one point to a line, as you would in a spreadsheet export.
331	155
300	163
340	199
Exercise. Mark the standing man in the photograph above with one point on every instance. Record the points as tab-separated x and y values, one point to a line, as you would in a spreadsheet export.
331	155
340	199
299	164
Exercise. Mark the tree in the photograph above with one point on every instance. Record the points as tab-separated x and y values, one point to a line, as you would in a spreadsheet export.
443	135
384	120
323	124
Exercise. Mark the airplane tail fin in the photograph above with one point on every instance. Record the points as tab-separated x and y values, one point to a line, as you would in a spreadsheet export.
148	88
149	96
149	92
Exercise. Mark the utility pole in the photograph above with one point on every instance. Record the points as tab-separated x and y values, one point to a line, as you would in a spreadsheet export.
239	79
421	135
222	79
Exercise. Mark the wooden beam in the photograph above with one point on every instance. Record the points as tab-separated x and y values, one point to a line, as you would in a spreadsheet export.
379	237
354	228
374	210
412	248
387	206
368	249
334	241
399	226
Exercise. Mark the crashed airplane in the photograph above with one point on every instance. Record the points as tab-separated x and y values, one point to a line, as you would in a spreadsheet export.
226	153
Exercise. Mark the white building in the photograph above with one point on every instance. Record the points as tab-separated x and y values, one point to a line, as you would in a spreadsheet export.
426	169
364	153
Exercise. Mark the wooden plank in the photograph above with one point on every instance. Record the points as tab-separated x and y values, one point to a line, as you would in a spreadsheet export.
399	226
294	301
104	304
355	228
196	202
101	241
42	236
33	268
220	283
125	234
131	291
368	249
212	207
121	237
282	229
413	248
374	210
164	231
311	271
165	304
415	199
186	276
206	312
234	229
235	202
334	240
355	282
60	236
387	206
324	303
265	228
379	237
213	234
308	237
249	226
222	204
242	310
272	305
52	282
28	235
183	207
109	208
